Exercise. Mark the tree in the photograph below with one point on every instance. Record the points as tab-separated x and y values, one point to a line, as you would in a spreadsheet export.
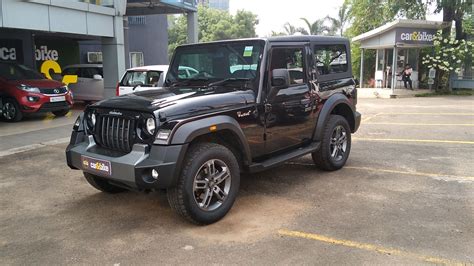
214	25
315	28
338	23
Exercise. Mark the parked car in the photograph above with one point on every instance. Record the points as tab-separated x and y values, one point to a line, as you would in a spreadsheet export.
90	82
197	134
24	91
142	78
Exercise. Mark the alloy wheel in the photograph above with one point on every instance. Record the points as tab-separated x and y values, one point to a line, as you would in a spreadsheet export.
211	184
9	111
338	144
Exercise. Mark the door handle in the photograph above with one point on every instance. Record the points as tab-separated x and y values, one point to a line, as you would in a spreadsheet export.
268	108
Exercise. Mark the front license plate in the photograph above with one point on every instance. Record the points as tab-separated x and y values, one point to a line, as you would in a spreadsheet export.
96	165
57	99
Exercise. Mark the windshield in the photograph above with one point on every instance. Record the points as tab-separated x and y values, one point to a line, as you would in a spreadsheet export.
142	78
11	71
207	63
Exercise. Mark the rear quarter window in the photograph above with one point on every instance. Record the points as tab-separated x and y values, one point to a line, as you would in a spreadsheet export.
331	59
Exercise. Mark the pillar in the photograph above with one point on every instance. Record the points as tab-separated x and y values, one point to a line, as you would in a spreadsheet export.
394	69
113	55
361	80
192	25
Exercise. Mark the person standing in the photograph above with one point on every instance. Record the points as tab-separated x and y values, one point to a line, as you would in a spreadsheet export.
406	76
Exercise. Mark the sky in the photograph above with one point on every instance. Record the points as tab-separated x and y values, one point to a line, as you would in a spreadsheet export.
273	14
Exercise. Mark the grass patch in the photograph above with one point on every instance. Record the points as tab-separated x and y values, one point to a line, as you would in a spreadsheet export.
446	93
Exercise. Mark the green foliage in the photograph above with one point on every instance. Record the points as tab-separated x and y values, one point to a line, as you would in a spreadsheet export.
338	23
315	28
214	25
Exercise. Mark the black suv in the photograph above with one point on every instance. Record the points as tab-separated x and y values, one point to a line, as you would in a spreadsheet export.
253	104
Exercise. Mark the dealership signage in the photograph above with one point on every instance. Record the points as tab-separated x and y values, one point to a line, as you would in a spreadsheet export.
11	50
43	53
415	36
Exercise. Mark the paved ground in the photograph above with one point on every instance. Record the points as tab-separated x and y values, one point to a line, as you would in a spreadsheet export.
406	196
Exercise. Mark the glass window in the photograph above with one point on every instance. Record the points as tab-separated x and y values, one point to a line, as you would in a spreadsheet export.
330	59
136	59
71	71
211	62
11	71
291	59
141	78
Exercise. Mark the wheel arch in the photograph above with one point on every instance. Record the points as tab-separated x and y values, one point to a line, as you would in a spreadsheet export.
227	132
337	104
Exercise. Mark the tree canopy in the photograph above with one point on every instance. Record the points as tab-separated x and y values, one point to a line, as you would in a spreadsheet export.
214	25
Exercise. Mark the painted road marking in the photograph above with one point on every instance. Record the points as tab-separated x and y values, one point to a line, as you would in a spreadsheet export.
416	124
369	247
416	140
445	177
444	114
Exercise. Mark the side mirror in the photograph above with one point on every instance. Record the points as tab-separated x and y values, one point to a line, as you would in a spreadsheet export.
97	77
280	78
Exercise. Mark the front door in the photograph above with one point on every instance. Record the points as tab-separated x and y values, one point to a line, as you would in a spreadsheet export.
290	110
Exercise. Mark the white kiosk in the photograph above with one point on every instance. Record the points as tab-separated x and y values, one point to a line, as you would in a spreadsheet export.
397	43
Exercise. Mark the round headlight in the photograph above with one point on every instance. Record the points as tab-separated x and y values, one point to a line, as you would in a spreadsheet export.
93	119
150	125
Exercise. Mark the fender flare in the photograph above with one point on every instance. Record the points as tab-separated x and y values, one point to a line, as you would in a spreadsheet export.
188	131
328	107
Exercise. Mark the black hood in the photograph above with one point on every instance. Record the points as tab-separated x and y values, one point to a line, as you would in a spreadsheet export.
172	102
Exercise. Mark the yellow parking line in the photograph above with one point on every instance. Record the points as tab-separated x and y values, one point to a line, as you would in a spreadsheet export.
416	140
445	114
369	247
416	124
471	178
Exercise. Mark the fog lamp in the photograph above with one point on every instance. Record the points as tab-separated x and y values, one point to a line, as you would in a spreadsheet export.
154	174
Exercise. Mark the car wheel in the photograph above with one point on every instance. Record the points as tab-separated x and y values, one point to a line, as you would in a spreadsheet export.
61	112
335	145
11	110
207	185
102	184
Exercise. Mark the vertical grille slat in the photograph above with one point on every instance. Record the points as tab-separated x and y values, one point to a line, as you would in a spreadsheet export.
115	132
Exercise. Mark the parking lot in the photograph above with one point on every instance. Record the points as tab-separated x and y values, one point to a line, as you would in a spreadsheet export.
406	196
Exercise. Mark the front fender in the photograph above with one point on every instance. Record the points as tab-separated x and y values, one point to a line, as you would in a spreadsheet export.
188	131
328	108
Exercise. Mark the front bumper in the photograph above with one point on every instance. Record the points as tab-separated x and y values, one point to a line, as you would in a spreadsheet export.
132	170
357	119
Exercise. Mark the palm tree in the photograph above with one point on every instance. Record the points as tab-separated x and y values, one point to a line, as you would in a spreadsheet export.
315	28
337	24
291	30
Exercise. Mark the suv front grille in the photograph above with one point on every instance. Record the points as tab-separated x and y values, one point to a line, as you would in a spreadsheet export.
114	132
52	91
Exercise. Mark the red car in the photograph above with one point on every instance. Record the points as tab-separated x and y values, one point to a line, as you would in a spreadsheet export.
25	91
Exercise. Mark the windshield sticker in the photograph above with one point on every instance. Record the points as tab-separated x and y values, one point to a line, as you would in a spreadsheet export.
248	51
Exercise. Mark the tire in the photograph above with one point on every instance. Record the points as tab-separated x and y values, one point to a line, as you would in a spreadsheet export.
101	184
11	110
201	197
61	112
335	144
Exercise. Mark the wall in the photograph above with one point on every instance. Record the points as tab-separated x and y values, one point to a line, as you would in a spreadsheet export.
58	16
151	39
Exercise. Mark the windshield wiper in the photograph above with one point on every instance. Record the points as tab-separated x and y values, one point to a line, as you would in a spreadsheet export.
187	81
220	82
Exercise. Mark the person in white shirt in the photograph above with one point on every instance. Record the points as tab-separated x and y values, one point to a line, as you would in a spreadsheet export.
406	76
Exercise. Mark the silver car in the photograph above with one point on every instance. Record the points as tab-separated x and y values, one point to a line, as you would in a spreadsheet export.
90	82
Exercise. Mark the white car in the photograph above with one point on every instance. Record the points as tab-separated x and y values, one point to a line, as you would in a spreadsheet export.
142	78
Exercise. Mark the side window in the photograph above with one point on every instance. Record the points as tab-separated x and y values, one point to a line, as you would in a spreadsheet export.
291	59
330	59
89	72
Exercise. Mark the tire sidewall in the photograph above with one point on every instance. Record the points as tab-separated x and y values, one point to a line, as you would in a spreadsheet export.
215	152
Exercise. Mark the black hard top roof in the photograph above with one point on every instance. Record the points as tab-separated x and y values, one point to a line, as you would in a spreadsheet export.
298	38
